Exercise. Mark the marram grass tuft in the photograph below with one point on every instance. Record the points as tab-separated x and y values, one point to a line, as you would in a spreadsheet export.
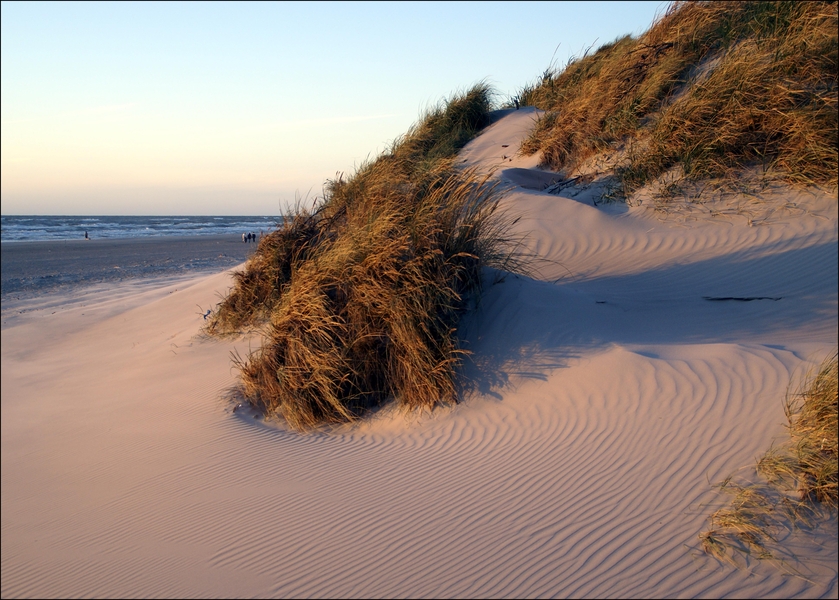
359	299
800	477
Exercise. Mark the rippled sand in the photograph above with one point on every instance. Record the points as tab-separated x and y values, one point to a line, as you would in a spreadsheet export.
647	358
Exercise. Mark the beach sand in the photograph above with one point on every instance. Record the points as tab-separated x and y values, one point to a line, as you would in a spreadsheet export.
602	399
31	269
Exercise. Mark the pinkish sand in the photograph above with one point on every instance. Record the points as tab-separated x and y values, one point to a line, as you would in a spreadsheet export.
603	398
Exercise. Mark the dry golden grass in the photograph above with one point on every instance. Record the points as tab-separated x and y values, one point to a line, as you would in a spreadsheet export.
374	316
801	476
260	285
363	294
711	88
412	164
809	461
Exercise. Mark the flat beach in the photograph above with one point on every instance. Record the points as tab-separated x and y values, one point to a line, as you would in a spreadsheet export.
30	269
646	359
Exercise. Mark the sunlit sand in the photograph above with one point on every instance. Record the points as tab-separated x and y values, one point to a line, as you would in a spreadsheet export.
601	401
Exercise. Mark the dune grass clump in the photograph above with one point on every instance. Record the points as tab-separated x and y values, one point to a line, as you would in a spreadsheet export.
711	88
412	163
800	475
258	287
809	461
360	298
374	316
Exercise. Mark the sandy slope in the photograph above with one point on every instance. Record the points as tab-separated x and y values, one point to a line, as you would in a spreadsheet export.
601	399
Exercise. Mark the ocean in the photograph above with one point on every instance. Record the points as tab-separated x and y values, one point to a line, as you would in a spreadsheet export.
45	228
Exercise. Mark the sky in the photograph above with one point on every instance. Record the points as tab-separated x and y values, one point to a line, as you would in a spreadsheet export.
245	108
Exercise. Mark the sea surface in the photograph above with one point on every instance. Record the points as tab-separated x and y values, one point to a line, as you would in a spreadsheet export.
19	228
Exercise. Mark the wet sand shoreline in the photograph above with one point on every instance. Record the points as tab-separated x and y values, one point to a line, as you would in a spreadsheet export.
34	268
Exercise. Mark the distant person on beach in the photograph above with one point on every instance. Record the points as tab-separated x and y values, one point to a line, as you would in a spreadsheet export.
85	236
243	238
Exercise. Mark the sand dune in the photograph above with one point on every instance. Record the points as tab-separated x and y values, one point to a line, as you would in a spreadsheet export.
648	357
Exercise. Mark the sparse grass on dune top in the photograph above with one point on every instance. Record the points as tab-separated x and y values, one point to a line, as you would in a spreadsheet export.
711	88
363	295
800	475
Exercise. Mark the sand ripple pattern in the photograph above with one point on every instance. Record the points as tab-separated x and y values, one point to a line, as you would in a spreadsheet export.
600	400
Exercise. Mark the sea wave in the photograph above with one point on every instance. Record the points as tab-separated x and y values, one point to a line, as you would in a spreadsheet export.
15	228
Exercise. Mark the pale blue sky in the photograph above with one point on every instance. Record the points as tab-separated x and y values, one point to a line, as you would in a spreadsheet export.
216	108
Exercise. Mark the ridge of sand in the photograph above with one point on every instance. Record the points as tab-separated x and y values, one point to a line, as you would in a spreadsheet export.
601	399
